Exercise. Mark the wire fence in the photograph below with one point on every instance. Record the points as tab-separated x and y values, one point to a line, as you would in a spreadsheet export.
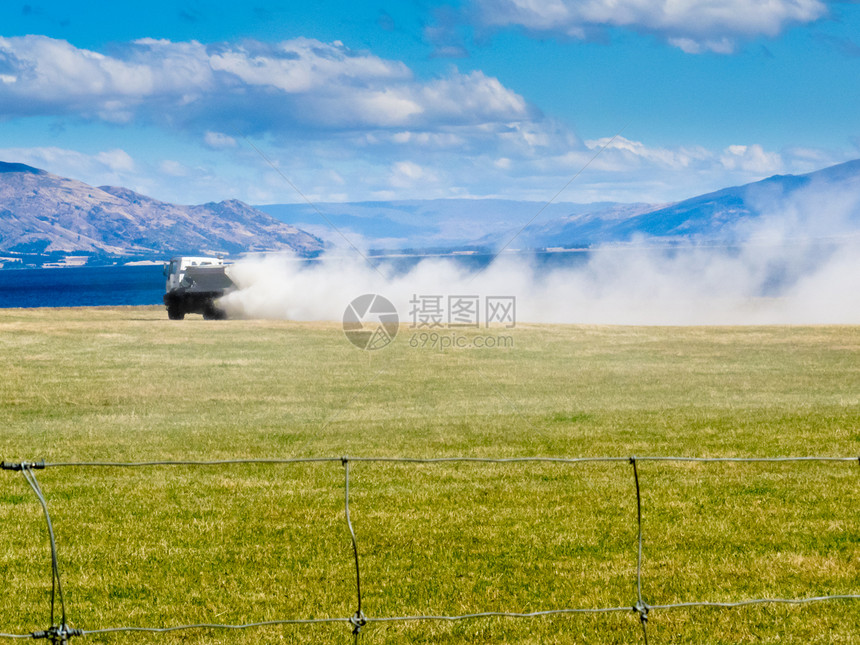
59	632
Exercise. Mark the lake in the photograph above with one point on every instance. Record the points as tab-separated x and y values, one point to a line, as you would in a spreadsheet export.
81	286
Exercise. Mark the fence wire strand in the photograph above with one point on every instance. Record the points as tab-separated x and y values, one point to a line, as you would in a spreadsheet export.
56	586
640	605
358	620
60	634
422	460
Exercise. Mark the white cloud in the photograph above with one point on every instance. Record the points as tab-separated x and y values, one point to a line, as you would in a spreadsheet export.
405	174
173	168
751	161
690	46
428	139
218	140
250	88
54	77
751	158
304	64
630	170
408	169
317	108
694	26
626	152
117	160
383	108
473	97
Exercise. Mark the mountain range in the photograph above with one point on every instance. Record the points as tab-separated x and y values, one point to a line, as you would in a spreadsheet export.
44	214
490	223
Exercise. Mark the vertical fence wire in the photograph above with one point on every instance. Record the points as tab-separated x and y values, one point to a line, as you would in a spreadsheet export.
58	634
358	620
640	606
56	586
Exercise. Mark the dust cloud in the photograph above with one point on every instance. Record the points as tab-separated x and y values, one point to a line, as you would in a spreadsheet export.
797	263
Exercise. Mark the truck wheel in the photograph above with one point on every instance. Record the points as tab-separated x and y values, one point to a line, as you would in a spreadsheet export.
211	312
175	312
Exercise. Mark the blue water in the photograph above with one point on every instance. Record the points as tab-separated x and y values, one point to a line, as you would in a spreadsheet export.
81	286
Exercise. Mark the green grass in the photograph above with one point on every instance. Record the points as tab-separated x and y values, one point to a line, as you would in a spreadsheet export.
172	545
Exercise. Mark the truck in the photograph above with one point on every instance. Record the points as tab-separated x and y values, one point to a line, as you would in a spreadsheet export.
194	284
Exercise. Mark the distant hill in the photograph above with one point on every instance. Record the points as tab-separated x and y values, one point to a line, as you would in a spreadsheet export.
718	214
435	223
41	213
492	222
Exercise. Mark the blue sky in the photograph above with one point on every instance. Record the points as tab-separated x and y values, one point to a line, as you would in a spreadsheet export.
408	100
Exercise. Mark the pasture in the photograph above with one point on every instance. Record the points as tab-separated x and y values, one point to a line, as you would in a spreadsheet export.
242	543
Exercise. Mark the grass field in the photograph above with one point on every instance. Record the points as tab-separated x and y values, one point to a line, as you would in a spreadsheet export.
233	544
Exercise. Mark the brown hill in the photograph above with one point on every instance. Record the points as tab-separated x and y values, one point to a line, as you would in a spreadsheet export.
44	213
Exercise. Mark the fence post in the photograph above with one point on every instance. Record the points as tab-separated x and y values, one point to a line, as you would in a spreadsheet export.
358	620
641	607
57	634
